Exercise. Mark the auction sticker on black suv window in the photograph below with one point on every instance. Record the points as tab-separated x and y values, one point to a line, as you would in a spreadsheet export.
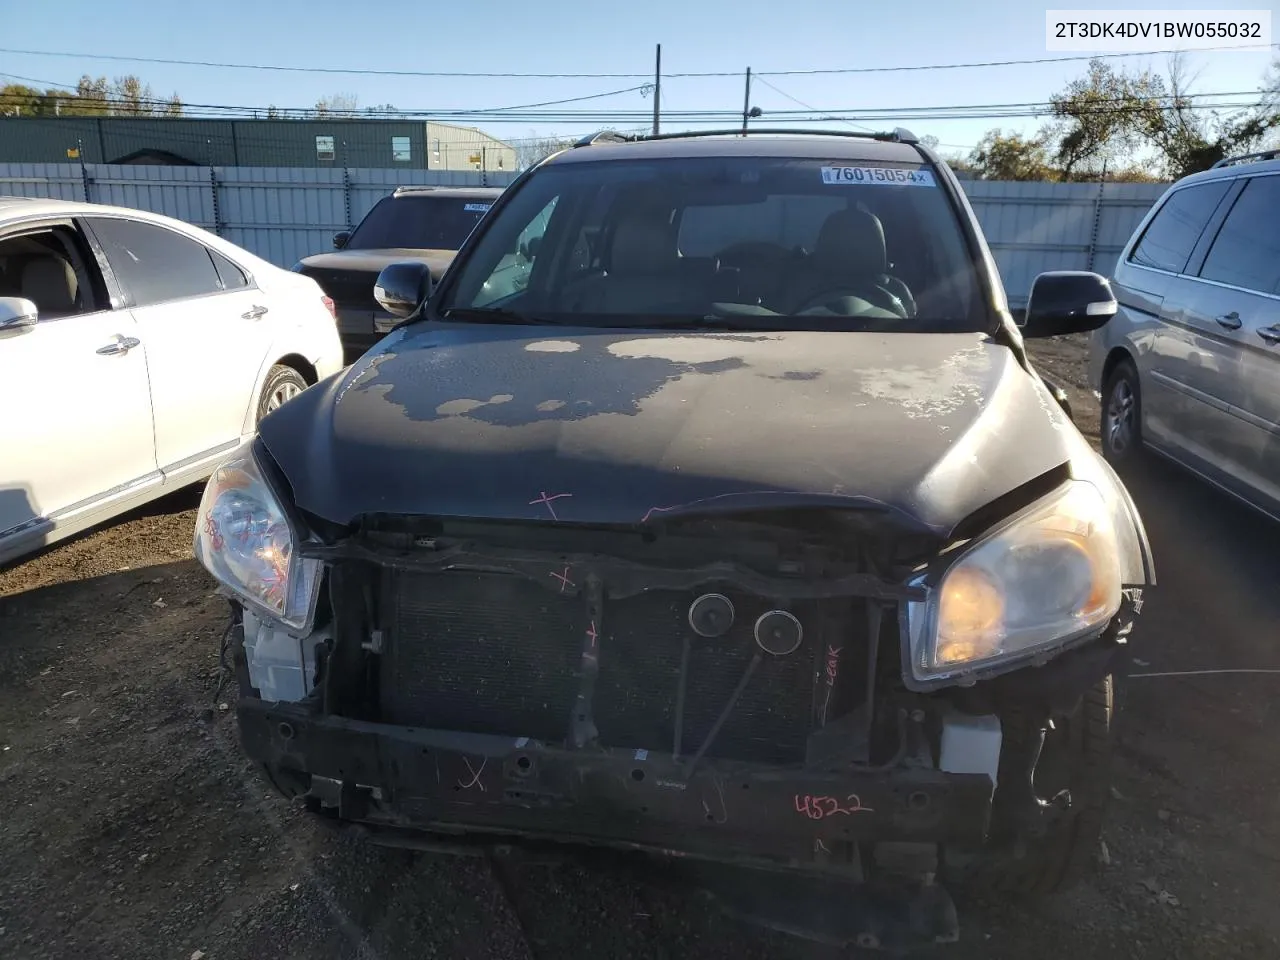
894	176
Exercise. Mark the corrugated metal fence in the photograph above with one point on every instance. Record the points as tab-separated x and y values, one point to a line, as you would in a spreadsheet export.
282	214
285	213
1034	227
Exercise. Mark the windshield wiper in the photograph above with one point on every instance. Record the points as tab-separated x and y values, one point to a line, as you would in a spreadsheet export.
494	315
709	322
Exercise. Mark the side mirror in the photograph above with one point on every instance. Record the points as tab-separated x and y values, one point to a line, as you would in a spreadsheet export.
403	287
1068	301
340	239
17	313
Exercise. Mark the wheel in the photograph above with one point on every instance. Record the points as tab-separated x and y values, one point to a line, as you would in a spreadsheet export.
1122	414
1076	757
283	384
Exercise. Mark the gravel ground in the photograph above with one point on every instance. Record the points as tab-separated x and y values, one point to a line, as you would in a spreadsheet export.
131	828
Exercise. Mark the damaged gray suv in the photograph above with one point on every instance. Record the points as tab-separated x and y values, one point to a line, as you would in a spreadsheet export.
734	527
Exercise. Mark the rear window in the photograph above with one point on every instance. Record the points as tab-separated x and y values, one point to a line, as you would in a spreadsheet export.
1172	234
418	222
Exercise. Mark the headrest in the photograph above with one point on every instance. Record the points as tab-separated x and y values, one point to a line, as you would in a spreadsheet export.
50	282
641	244
851	242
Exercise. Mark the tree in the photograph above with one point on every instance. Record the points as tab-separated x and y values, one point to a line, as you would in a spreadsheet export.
534	148
1013	157
338	105
19	100
130	97
1192	140
1097	117
273	112
91	96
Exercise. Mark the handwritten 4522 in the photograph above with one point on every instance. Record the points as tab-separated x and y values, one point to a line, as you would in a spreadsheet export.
816	808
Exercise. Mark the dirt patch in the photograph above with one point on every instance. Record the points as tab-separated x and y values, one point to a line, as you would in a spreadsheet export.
132	828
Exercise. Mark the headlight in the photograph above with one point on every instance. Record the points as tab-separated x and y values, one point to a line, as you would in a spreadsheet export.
1049	576
243	538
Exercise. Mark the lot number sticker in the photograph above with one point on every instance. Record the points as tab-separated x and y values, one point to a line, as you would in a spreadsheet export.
477	207
893	176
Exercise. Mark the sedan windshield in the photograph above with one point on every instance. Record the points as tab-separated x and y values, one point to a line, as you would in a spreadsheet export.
759	242
418	223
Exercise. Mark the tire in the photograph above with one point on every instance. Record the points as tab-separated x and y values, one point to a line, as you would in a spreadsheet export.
283	384
1121	417
1077	757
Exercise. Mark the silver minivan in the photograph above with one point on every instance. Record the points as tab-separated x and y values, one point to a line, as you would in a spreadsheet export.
1190	365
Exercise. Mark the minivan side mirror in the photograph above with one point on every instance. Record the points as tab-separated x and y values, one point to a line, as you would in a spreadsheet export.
17	313
1068	301
340	239
403	287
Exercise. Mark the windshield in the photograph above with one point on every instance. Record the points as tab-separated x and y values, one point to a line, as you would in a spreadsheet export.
418	222
757	241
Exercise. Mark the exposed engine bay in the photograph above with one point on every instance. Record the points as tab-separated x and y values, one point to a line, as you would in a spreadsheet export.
728	689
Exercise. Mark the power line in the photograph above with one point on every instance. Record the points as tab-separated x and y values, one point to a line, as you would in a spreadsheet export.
803	104
221	65
809	113
71	88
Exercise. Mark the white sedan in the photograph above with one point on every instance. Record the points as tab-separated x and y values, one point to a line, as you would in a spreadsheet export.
135	352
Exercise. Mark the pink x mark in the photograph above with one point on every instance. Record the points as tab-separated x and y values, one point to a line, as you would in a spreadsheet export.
591	632
475	776
547	500
563	578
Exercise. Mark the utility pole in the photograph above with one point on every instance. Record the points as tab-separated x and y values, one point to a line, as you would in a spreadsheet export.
657	87
746	103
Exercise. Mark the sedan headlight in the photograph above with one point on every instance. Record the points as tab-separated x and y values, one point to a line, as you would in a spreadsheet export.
244	539
1047	577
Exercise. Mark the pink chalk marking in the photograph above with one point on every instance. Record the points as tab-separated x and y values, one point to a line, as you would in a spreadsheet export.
720	496
817	808
547	500
592	634
475	776
833	664
213	533
563	578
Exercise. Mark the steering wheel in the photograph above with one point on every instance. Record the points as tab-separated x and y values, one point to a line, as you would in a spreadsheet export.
827	297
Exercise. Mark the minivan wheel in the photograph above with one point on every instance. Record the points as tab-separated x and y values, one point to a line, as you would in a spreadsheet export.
283	384
1122	415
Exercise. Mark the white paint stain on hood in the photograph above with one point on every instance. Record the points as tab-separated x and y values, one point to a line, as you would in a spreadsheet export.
929	392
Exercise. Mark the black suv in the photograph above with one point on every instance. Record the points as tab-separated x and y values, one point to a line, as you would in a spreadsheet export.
426	224
710	507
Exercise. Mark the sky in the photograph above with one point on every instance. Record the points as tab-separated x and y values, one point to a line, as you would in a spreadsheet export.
574	36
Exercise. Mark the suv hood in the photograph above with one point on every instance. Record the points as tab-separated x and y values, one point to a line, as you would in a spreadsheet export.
372	261
608	426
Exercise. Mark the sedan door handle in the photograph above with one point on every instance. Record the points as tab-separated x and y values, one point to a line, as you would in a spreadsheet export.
119	346
1229	320
1271	334
255	313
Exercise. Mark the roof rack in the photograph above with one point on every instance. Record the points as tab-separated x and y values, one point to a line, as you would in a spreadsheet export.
1246	158
434	187
897	135
605	136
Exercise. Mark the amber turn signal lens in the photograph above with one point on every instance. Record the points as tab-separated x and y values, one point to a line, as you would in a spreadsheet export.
970	617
